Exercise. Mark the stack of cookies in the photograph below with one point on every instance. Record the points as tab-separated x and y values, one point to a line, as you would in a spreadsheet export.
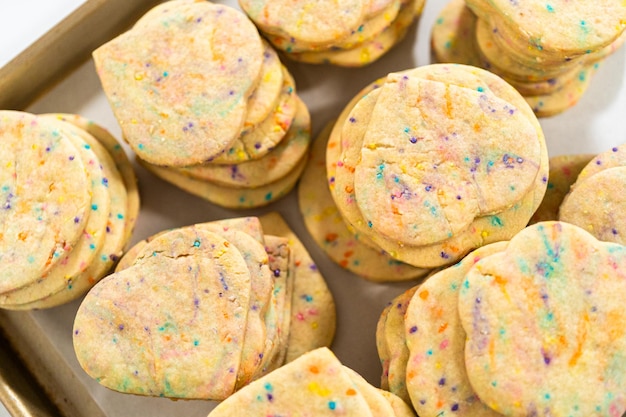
200	311
534	326
316	384
69	205
548	51
350	33
206	104
433	162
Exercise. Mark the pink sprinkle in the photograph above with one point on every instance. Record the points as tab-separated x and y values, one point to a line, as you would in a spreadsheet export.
444	344
300	316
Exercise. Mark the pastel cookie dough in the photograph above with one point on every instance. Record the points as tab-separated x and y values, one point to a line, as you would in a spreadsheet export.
556	292
63	232
351	34
595	201
314	384
431	164
206	104
203	310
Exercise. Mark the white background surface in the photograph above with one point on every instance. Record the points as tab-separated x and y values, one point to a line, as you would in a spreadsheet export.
24	21
594	125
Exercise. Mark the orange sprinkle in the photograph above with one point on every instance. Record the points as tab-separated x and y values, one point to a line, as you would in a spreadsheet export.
423	294
349	189
348	254
443	327
343	263
350	392
477	127
313	369
331	237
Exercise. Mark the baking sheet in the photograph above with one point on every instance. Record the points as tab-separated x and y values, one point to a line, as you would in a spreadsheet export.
594	125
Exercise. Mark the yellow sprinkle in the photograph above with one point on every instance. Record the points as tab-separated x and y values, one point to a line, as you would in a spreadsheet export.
393	254
315	388
403	168
438	365
365	55
484	233
420	166
139	76
34	146
9	164
371	146
314	325
133	121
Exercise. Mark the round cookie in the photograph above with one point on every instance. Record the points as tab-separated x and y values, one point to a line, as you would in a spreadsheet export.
236	198
597	205
564	29
315	382
265	97
313	315
105	186
320	22
564	170
556	292
453	35
187	106
45	198
486	229
328	229
258	142
368	51
169	334
269	168
393	351
369	29
436	379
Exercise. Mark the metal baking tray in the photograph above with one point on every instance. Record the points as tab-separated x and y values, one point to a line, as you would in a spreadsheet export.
39	375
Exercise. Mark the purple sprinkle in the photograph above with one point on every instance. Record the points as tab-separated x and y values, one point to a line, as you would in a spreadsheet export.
48	149
428	187
198	20
413	139
442	382
413	329
546	359
231	93
277	273
477	300
76	219
113	257
598	162
405	77
614	231
270	397
266	55
552	81
313	267
76	331
257	145
455	407
196	301
477	160
458	197
108	229
422	401
614	149
444	255
121	327
71	157
544	179
352	120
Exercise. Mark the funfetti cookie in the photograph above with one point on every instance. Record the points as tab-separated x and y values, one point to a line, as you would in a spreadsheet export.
179	81
104	182
453	37
172	324
44	213
370	168
564	170
236	198
598	205
271	167
326	226
564	29
313	315
436	380
391	345
315	384
545	324
595	201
